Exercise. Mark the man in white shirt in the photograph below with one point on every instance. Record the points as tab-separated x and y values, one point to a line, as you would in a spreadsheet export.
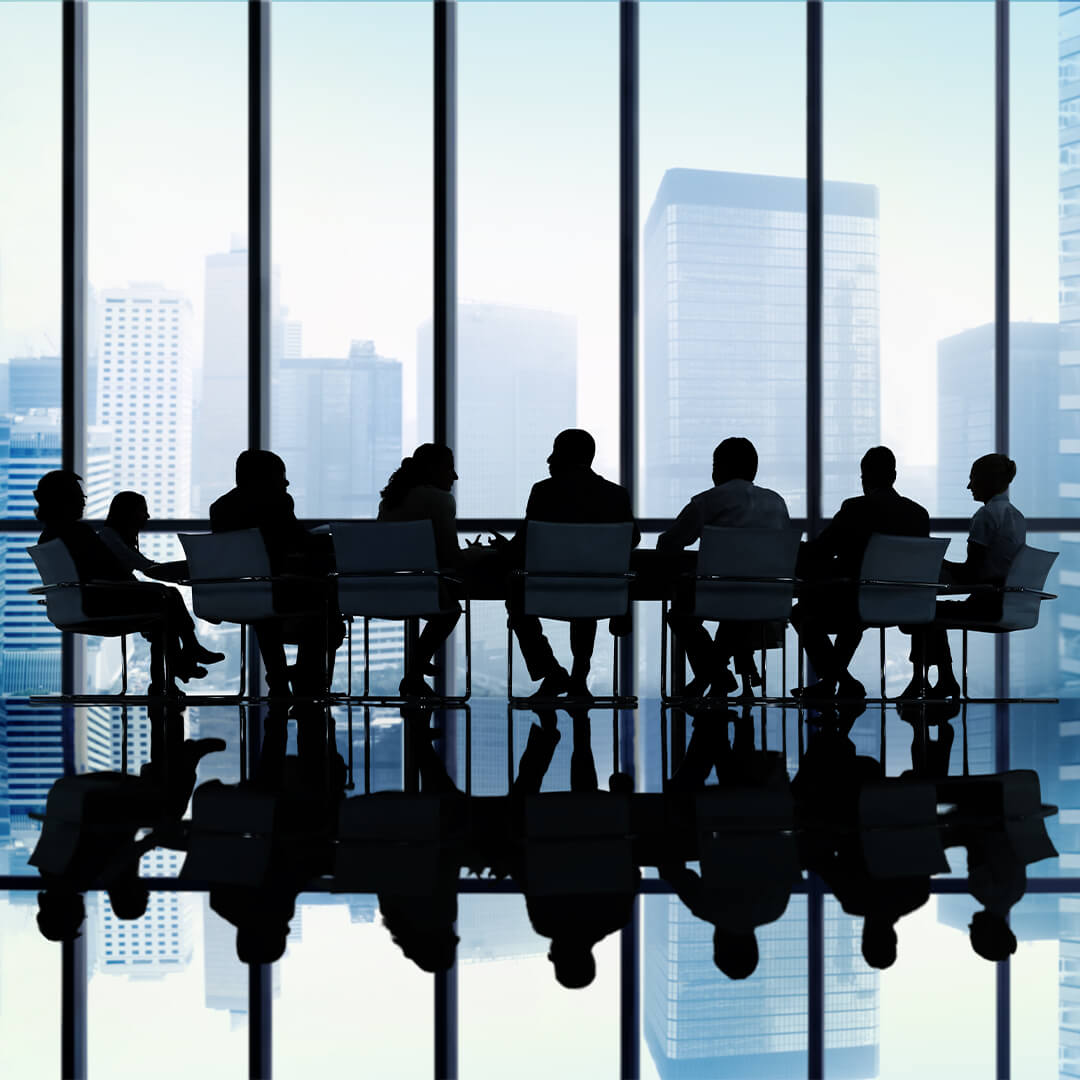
734	501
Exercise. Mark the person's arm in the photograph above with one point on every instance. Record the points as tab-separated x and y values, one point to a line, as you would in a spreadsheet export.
980	536
128	557
444	521
684	531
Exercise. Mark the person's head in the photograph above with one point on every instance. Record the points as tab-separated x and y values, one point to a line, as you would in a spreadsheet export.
431	947
571	447
261	470
129	898
735	953
990	475
991	936
573	960
429	465
60	914
878	942
878	468
60	498
128	513
734	459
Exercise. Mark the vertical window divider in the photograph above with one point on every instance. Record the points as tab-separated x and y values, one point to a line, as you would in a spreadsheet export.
73	973
815	900
629	271
260	998
1002	314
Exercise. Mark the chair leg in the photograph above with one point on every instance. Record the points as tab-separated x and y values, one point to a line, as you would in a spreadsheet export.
348	674
367	749
124	738
468	750
351	783
509	666
123	667
243	662
367	656
509	746
881	659
468	650
663	650
964	664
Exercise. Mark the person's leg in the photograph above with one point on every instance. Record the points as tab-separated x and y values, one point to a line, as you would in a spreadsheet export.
582	763
272	649
535	647
536	757
814	638
698	645
432	637
847	642
582	642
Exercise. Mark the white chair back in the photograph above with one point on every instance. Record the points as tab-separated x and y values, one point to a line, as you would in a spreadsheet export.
369	553
54	563
912	565
754	555
240	554
1029	570
555	552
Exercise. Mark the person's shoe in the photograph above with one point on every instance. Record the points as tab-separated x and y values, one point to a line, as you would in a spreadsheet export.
697	687
196	749
579	687
413	686
191	671
818	691
850	687
916	689
554	684
946	687
203	655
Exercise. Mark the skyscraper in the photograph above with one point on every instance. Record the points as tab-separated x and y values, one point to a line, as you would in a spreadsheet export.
725	332
337	424
146	358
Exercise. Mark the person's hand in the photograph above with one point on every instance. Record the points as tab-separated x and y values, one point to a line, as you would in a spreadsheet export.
497	540
473	543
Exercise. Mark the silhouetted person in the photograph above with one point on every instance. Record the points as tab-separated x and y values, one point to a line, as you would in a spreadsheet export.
88	836
573	494
61	503
997	533
755	895
261	501
734	501
419	490
830	607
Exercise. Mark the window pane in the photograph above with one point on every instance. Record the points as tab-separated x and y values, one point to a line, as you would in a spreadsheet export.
385	1016
29	991
510	1003
30	120
537	243
352	221
921	136
167	179
724	244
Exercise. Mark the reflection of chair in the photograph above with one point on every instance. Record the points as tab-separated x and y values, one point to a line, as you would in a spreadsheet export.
575	572
742	576
65	599
232	835
390	570
898	829
1021	598
578	842
898	583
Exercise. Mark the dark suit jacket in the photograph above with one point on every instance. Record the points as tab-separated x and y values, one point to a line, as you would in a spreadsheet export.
93	560
838	550
576	496
272	515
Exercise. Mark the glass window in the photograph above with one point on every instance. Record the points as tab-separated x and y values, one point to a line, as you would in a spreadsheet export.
352	226
723	260
166	238
920	137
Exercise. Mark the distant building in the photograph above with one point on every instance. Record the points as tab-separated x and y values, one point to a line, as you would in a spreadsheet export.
337	424
146	348
724	263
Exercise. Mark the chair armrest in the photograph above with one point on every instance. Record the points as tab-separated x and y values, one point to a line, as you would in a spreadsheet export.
599	574
749	579
223	580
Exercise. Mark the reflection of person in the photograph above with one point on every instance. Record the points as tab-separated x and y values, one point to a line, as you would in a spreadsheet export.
734	501
419	490
837	552
261	501
996	534
61	503
572	494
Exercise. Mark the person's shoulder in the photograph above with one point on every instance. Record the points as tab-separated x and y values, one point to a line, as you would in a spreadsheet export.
914	508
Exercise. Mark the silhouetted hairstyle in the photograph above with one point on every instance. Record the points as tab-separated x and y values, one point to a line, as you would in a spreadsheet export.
124	504
878	943
735	954
60	914
991	936
997	470
414	471
735	458
575	966
255	466
55	494
574	446
879	465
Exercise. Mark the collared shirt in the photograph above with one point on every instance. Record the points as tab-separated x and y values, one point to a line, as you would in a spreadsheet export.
736	503
125	554
1000	528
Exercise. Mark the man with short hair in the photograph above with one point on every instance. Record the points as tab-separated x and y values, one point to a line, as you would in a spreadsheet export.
734	501
837	553
261	501
573	494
